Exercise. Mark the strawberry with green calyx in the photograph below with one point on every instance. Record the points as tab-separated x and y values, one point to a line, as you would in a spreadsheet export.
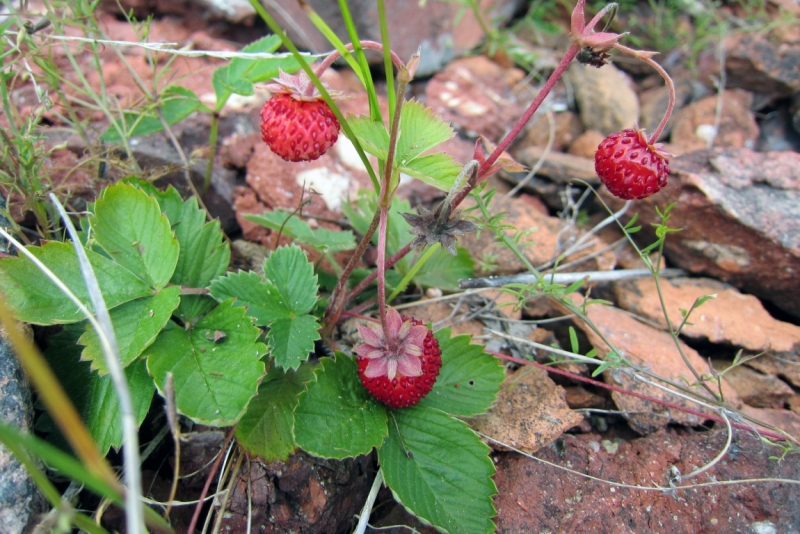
296	123
629	166
398	365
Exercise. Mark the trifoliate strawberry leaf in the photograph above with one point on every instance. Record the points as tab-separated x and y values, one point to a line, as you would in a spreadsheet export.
336	417
443	270
130	227
94	396
420	130
372	135
204	253
322	240
216	365
136	325
283	302
192	307
469	379
35	299
176	103
267	428
438	170
439	470
262	69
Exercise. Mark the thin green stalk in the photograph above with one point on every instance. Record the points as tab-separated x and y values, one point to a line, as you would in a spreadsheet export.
352	32
423	259
212	150
387	59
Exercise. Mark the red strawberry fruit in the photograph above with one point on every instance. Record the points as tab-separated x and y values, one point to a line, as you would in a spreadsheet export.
629	166
296	123
398	366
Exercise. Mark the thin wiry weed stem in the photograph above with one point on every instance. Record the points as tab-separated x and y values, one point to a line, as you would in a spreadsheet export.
134	517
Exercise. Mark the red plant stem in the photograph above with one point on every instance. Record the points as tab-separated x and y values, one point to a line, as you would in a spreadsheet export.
362	285
670	85
572	51
603	385
333	56
210	477
381	270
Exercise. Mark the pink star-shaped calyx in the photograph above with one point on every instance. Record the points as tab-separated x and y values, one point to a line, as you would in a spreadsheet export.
395	351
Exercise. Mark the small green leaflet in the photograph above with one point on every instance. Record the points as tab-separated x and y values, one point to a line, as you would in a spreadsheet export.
420	130
216	365
136	325
469	379
35	299
267	428
336	417
176	104
130	227
439	470
443	270
240	74
283	302
321	239
204	253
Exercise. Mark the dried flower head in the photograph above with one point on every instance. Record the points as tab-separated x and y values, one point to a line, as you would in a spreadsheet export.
430	230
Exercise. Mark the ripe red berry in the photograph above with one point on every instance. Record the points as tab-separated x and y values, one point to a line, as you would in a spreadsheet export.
399	367
630	167
298	130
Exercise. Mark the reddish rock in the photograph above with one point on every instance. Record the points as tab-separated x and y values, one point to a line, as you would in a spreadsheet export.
732	318
530	412
739	214
694	126
478	95
606	98
535	497
585	145
578	397
431	27
786	420
567	126
769	67
755	389
540	246
649	349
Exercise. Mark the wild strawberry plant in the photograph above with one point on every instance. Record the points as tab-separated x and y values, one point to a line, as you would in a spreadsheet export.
242	348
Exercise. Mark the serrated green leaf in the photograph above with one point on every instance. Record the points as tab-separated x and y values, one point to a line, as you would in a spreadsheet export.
320	239
204	253
447	479
214	380
438	170
372	135
267	428
336	417
292	339
250	290
293	275
469	379
420	130
130	227
239	67
443	270
35	299
94	396
222	89
136	325
176	104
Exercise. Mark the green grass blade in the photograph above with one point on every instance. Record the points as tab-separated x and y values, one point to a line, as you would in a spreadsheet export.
387	59
352	32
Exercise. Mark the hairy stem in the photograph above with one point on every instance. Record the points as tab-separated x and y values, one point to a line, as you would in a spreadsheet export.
372	45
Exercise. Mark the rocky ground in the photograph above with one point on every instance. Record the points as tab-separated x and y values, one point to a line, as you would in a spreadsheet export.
736	181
